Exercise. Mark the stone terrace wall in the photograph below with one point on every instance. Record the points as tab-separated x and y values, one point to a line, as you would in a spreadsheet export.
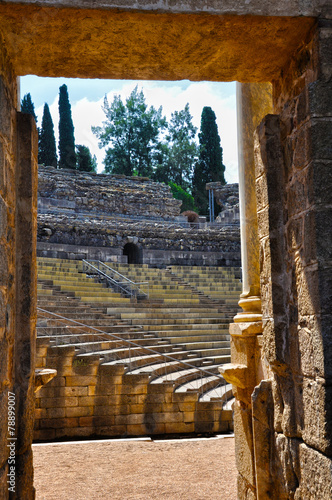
76	237
104	194
87	398
94	216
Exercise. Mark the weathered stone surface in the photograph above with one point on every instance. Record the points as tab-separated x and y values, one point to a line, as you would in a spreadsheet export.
315	475
104	194
124	210
168	45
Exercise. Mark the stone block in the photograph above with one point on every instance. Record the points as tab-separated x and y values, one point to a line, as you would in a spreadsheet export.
74	432
58	423
58	402
134	380
56	412
41	413
161	388
322	178
317	410
309	250
114	431
185	407
244	446
320	98
105	421
323	235
185	397
316	478
133	389
101	411
44	435
87	401
307	282
81	380
321	147
79	411
75	391
301	145
180	427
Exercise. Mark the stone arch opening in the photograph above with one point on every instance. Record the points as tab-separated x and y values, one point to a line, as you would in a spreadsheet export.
133	253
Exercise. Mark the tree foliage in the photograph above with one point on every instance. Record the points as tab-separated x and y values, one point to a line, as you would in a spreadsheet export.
186	198
47	147
27	106
132	133
209	167
85	161
67	155
183	148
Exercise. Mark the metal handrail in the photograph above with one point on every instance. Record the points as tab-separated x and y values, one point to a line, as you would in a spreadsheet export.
167	358
127	286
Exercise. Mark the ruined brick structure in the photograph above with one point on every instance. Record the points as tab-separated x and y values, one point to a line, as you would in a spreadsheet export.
282	340
90	216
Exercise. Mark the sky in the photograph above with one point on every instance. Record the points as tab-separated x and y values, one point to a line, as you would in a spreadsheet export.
86	98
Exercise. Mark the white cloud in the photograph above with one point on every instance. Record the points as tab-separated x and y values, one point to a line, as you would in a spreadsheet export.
171	96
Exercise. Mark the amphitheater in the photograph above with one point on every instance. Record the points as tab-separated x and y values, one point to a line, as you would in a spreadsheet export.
281	349
136	347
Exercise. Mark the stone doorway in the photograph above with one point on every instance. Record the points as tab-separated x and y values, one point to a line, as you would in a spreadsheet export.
133	252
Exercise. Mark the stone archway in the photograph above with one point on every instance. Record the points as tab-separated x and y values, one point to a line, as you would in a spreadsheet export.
133	252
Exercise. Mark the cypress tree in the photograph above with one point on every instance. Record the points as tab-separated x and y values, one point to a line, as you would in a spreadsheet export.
209	167
85	161
67	155
27	106
47	147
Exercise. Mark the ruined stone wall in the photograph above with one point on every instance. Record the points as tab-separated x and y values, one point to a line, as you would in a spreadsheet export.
104	194
89	216
227	198
87	398
292	411
79	237
18	203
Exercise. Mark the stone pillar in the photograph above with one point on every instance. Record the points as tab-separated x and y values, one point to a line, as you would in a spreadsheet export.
254	101
26	299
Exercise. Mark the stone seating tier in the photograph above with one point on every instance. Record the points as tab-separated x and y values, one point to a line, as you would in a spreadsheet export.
184	328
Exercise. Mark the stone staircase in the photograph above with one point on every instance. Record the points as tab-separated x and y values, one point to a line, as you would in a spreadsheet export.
175	339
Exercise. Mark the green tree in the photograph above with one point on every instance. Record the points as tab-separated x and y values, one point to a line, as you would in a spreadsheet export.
47	147
183	149
85	161
67	155
209	167
131	130
27	106
186	198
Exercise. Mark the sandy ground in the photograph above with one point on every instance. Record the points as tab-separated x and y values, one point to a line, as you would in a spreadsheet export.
136	469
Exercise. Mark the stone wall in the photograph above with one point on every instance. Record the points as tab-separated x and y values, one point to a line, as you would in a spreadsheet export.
99	194
227	198
124	210
293	411
18	204
87	398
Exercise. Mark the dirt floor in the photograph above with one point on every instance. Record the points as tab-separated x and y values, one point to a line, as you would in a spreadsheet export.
193	469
